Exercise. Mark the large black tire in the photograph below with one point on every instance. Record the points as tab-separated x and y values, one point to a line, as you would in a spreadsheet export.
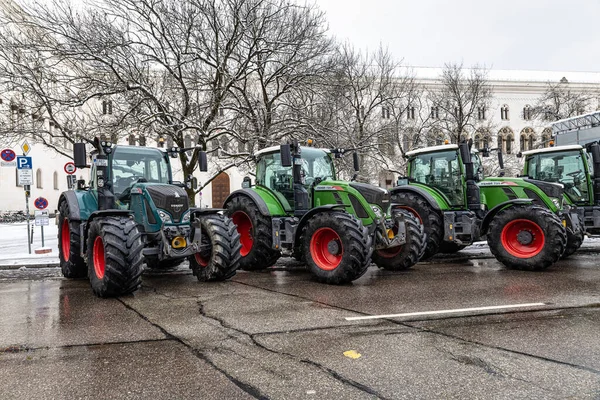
430	218
256	234
527	237
72	264
574	242
220	255
450	247
152	262
403	257
114	256
337	247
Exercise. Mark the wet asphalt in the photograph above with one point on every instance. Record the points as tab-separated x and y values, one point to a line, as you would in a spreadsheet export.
278	334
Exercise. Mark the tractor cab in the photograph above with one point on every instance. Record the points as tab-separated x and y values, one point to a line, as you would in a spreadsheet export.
571	166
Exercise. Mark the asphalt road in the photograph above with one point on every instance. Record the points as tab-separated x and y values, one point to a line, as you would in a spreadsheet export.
278	334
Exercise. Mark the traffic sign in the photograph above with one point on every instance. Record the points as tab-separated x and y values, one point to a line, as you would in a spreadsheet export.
41	217
24	162
40	203
24	177
70	168
7	155
26	148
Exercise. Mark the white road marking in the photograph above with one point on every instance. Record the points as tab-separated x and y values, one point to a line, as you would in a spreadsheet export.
439	312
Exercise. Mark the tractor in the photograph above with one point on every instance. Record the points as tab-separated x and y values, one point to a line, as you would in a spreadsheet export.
298	208
578	169
446	190
133	214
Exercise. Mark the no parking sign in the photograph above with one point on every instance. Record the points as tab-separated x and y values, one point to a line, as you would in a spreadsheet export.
40	203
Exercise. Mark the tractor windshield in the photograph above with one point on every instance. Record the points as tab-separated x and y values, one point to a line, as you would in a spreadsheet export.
566	167
439	170
271	174
132	164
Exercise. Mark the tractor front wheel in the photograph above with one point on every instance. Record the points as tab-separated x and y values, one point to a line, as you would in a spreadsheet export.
256	234
527	237
219	256
72	264
430	218
114	256
405	256
337	247
574	242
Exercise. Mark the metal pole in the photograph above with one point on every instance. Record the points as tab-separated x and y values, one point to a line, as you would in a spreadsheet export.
27	215
42	228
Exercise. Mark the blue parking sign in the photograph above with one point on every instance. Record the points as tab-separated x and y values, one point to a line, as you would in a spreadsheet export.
24	162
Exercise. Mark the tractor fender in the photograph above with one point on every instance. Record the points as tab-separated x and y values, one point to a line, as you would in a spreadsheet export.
311	213
260	203
71	198
206	211
421	192
492	213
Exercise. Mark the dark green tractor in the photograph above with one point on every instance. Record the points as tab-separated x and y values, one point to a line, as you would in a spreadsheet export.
132	213
298	208
578	169
445	188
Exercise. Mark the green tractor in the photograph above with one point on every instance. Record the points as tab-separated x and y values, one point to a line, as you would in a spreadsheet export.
445	189
298	208
578	169
133	213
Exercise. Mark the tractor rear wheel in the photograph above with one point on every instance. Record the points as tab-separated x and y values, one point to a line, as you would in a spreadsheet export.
72	264
405	256
114	256
256	234
430	218
574	242
451	247
220	255
337	247
527	237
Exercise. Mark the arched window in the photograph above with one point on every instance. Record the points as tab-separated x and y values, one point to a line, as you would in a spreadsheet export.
527	112
142	140
38	178
546	137
504	112
478	141
132	140
509	140
523	142
55	179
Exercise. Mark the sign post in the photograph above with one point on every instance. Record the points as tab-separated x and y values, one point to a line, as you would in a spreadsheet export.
25	179
41	217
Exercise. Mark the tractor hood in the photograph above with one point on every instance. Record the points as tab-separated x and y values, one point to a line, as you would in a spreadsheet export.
170	198
373	194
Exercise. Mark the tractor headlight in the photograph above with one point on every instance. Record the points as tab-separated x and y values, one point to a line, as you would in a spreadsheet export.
377	211
186	216
166	218
556	202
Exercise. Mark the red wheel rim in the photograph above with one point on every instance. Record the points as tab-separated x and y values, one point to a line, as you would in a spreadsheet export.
523	238
412	211
99	264
202	261
65	239
321	243
244	228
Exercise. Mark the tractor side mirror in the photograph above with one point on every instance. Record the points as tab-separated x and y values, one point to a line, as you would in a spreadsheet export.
202	161
79	155
192	182
356	161
465	153
286	155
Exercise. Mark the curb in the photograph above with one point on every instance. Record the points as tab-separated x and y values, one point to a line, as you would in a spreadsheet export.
14	267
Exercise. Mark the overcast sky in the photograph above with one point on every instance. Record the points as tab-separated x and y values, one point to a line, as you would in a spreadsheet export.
507	34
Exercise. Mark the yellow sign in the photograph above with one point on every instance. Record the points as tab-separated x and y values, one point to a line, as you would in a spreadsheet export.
26	148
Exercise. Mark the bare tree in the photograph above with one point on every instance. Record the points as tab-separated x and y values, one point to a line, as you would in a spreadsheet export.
560	100
361	102
292	53
463	97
